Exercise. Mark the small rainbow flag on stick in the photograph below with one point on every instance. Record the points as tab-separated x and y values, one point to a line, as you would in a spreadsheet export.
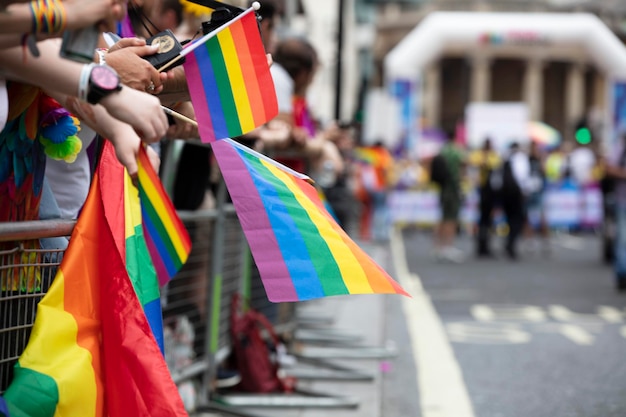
231	88
166	237
298	247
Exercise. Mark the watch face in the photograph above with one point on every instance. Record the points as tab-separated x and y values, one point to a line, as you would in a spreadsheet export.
104	77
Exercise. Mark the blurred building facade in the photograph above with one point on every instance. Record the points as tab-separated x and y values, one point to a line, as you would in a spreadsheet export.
560	84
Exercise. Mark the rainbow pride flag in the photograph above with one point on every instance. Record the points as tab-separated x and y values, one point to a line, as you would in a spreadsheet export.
92	352
231	88
299	249
165	234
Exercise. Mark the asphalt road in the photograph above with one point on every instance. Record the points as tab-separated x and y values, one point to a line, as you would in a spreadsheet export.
541	336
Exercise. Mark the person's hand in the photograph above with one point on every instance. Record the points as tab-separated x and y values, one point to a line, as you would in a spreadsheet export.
299	136
333	132
126	144
174	80
134	71
181	129
275	134
140	110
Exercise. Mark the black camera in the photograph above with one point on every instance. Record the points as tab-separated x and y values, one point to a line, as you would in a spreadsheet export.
169	48
219	17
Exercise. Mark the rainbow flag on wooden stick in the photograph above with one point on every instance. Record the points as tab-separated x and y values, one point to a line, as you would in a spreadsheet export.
231	88
298	247
166	237
92	352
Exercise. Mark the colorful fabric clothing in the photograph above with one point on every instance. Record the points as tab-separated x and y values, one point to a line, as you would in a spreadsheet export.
36	126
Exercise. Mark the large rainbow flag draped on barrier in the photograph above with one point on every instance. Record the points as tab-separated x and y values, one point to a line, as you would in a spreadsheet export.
231	88
298	247
92	352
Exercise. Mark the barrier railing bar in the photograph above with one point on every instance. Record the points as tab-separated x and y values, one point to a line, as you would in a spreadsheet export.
36	229
214	294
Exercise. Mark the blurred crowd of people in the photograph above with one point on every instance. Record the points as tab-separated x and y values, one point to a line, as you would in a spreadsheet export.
513	183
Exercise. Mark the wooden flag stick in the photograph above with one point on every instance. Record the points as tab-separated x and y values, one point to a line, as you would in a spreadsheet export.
179	116
171	62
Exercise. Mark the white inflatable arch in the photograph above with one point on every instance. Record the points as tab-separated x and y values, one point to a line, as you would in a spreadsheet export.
426	42
466	31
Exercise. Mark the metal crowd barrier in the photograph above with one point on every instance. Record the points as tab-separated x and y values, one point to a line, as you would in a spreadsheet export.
26	273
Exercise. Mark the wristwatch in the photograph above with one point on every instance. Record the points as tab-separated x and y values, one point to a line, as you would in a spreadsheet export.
103	80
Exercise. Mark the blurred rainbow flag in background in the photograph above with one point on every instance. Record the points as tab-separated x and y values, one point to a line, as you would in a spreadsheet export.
231	88
298	247
92	351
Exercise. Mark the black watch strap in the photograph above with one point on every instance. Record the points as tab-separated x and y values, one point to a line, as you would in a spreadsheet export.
95	93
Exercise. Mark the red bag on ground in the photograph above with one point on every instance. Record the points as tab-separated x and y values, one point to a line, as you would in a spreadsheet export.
250	353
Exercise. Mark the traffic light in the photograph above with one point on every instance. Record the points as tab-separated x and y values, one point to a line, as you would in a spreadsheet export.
583	136
583	133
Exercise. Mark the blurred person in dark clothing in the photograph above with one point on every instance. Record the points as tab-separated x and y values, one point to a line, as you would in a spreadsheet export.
487	160
515	176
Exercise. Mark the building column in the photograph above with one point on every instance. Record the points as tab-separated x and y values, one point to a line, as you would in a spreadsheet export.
480	84
599	90
432	95
533	89
574	97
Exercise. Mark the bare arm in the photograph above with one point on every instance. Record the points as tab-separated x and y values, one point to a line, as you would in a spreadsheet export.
50	72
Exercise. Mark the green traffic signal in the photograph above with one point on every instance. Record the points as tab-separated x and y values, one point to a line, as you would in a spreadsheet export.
583	136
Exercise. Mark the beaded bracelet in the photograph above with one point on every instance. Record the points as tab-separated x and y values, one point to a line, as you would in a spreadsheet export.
48	16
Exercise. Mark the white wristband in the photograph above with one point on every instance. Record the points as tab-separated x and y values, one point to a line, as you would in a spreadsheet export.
83	83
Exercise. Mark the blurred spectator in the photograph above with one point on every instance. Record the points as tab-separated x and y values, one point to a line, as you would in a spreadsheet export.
515	179
486	160
380	215
295	64
535	216
582	161
373	172
333	174
556	163
450	199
